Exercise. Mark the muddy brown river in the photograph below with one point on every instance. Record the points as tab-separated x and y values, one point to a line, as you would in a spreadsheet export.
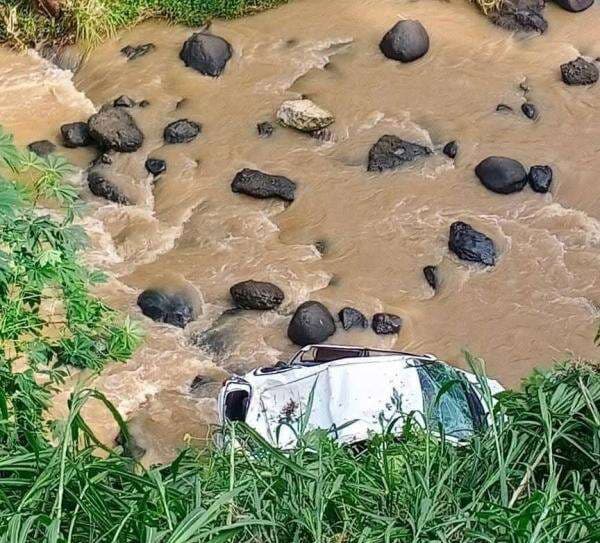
375	231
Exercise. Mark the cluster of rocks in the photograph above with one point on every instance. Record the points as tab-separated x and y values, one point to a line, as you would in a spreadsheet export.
505	175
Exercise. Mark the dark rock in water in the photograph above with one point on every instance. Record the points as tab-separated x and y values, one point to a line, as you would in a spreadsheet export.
113	128
503	108
173	309
520	15
104	188
105	159
262	185
574	5
450	149
386	323
469	244
350	317
76	135
133	52
430	273
323	134
198	381
144	103
502	175
540	178
124	101
405	41
131	448
181	131
42	148
322	246
155	166
311	323
529	110
206	53
391	152
579	72
265	130
256	295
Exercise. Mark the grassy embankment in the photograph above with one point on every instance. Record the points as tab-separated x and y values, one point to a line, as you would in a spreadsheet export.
533	476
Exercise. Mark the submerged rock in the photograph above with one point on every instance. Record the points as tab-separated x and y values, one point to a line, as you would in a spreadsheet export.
529	110
311	323
579	72
262	185
540	178
181	131
520	15
265	130
256	295
124	101
391	152
501	174
102	159
504	108
155	166
303	115
135	51
350	318
386	323
76	135
405	41
430	273
101	186
469	244
113	128
42	148
451	149
172	309
574	5
206	53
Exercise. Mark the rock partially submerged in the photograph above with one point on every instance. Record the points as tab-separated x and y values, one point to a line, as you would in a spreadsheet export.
574	5
430	273
181	131
501	174
262	185
155	166
312	323
256	295
172	309
451	149
471	245
113	128
206	53
540	178
350	318
42	148
405	41
265	129
520	15
579	72
76	135
102	187
135	51
386	323
124	101
391	152
303	115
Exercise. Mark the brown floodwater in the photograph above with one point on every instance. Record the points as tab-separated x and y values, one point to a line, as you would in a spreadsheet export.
189	231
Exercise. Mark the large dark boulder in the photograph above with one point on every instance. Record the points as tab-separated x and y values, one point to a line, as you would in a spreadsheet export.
262	185
350	317
256	295
206	53
540	178
181	131
135	51
469	244
101	186
113	128
520	15
42	148
501	174
574	5
311	323
405	41
386	323
579	72
391	152
76	135
173	309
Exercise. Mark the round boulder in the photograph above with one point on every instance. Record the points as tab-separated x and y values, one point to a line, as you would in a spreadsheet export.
206	53
256	295
181	131
113	128
386	323
311	323
172	309
471	245
540	178
405	41
502	175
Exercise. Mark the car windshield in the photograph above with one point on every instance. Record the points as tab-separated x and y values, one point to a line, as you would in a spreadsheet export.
457	409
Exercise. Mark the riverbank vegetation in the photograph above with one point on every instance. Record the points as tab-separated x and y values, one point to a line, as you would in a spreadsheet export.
531	476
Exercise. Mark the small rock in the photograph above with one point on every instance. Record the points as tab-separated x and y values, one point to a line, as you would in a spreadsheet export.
182	131
502	175
124	101
450	149
172	309
529	110
105	159
391	152
206	53
469	244
540	178
133	52
350	317
579	72
311	323
76	135
113	128
323	134
405	41
430	273
197	383
503	108
574	5
256	295
265	130
144	103
42	148
303	115
102	187
322	246
262	185
386	323
156	166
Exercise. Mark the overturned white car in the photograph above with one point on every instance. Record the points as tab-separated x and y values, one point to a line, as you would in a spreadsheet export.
353	392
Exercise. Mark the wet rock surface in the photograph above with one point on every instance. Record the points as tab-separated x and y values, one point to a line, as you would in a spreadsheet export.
574	5
312	323
391	152
529	110
265	129
579	72
172	309
256	295
405	41
430	273
471	245
135	51
304	115
540	178
351	318
501	174
155	166
101	186
181	131
42	148
386	323
520	15
451	149
113	128
76	135
262	185
206	53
